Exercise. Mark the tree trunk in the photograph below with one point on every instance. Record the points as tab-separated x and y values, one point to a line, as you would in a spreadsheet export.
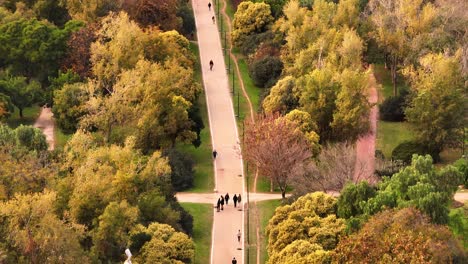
283	193
271	185
394	75
20	112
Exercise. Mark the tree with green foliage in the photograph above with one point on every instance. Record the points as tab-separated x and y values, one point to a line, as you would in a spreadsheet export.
20	92
404	236
69	106
111	234
419	185
311	218
438	105
34	48
31	138
350	201
32	233
249	19
52	10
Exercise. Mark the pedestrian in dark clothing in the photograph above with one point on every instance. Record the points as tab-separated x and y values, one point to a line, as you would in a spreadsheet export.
211	65
239	236
235	200
213	18
218	204
239	198
226	197
209	6
222	202
234	261
215	153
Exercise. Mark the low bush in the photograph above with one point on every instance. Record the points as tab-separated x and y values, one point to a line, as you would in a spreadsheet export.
406	149
462	166
266	71
393	109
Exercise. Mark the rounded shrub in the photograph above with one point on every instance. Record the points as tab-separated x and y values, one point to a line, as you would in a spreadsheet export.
392	109
266	71
406	149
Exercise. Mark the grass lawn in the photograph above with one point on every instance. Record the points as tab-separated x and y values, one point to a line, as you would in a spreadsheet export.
204	174
264	210
383	77
391	134
202	223
30	114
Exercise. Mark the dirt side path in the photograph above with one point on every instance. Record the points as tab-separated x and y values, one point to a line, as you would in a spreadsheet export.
45	122
365	146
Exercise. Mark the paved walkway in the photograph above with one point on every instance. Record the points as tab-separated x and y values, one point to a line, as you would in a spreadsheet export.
211	198
45	122
224	137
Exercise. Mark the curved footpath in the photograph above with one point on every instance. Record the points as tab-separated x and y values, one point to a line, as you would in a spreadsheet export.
224	137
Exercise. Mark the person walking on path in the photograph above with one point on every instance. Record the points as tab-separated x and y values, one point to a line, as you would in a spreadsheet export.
211	65
218	204
209	6
239	198
215	153
226	197
222	202
239	236
213	18
234	261
235	200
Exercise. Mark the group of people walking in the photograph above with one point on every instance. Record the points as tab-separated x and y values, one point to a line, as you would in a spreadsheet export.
225	199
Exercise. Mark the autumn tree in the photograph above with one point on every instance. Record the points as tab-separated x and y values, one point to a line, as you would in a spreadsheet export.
281	98
404	236
160	243
91	10
333	168
311	218
403	29
78	57
32	233
52	10
437	108
160	13
276	148
301	252
250	18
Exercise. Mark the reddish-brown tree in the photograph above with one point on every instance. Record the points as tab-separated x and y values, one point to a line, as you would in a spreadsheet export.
78	54
404	236
277	148
161	13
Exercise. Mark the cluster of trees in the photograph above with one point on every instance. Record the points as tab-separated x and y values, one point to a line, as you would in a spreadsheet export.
404	219
424	42
119	77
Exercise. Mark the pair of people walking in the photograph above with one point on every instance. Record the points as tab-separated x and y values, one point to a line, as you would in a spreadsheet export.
221	200
237	199
220	204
